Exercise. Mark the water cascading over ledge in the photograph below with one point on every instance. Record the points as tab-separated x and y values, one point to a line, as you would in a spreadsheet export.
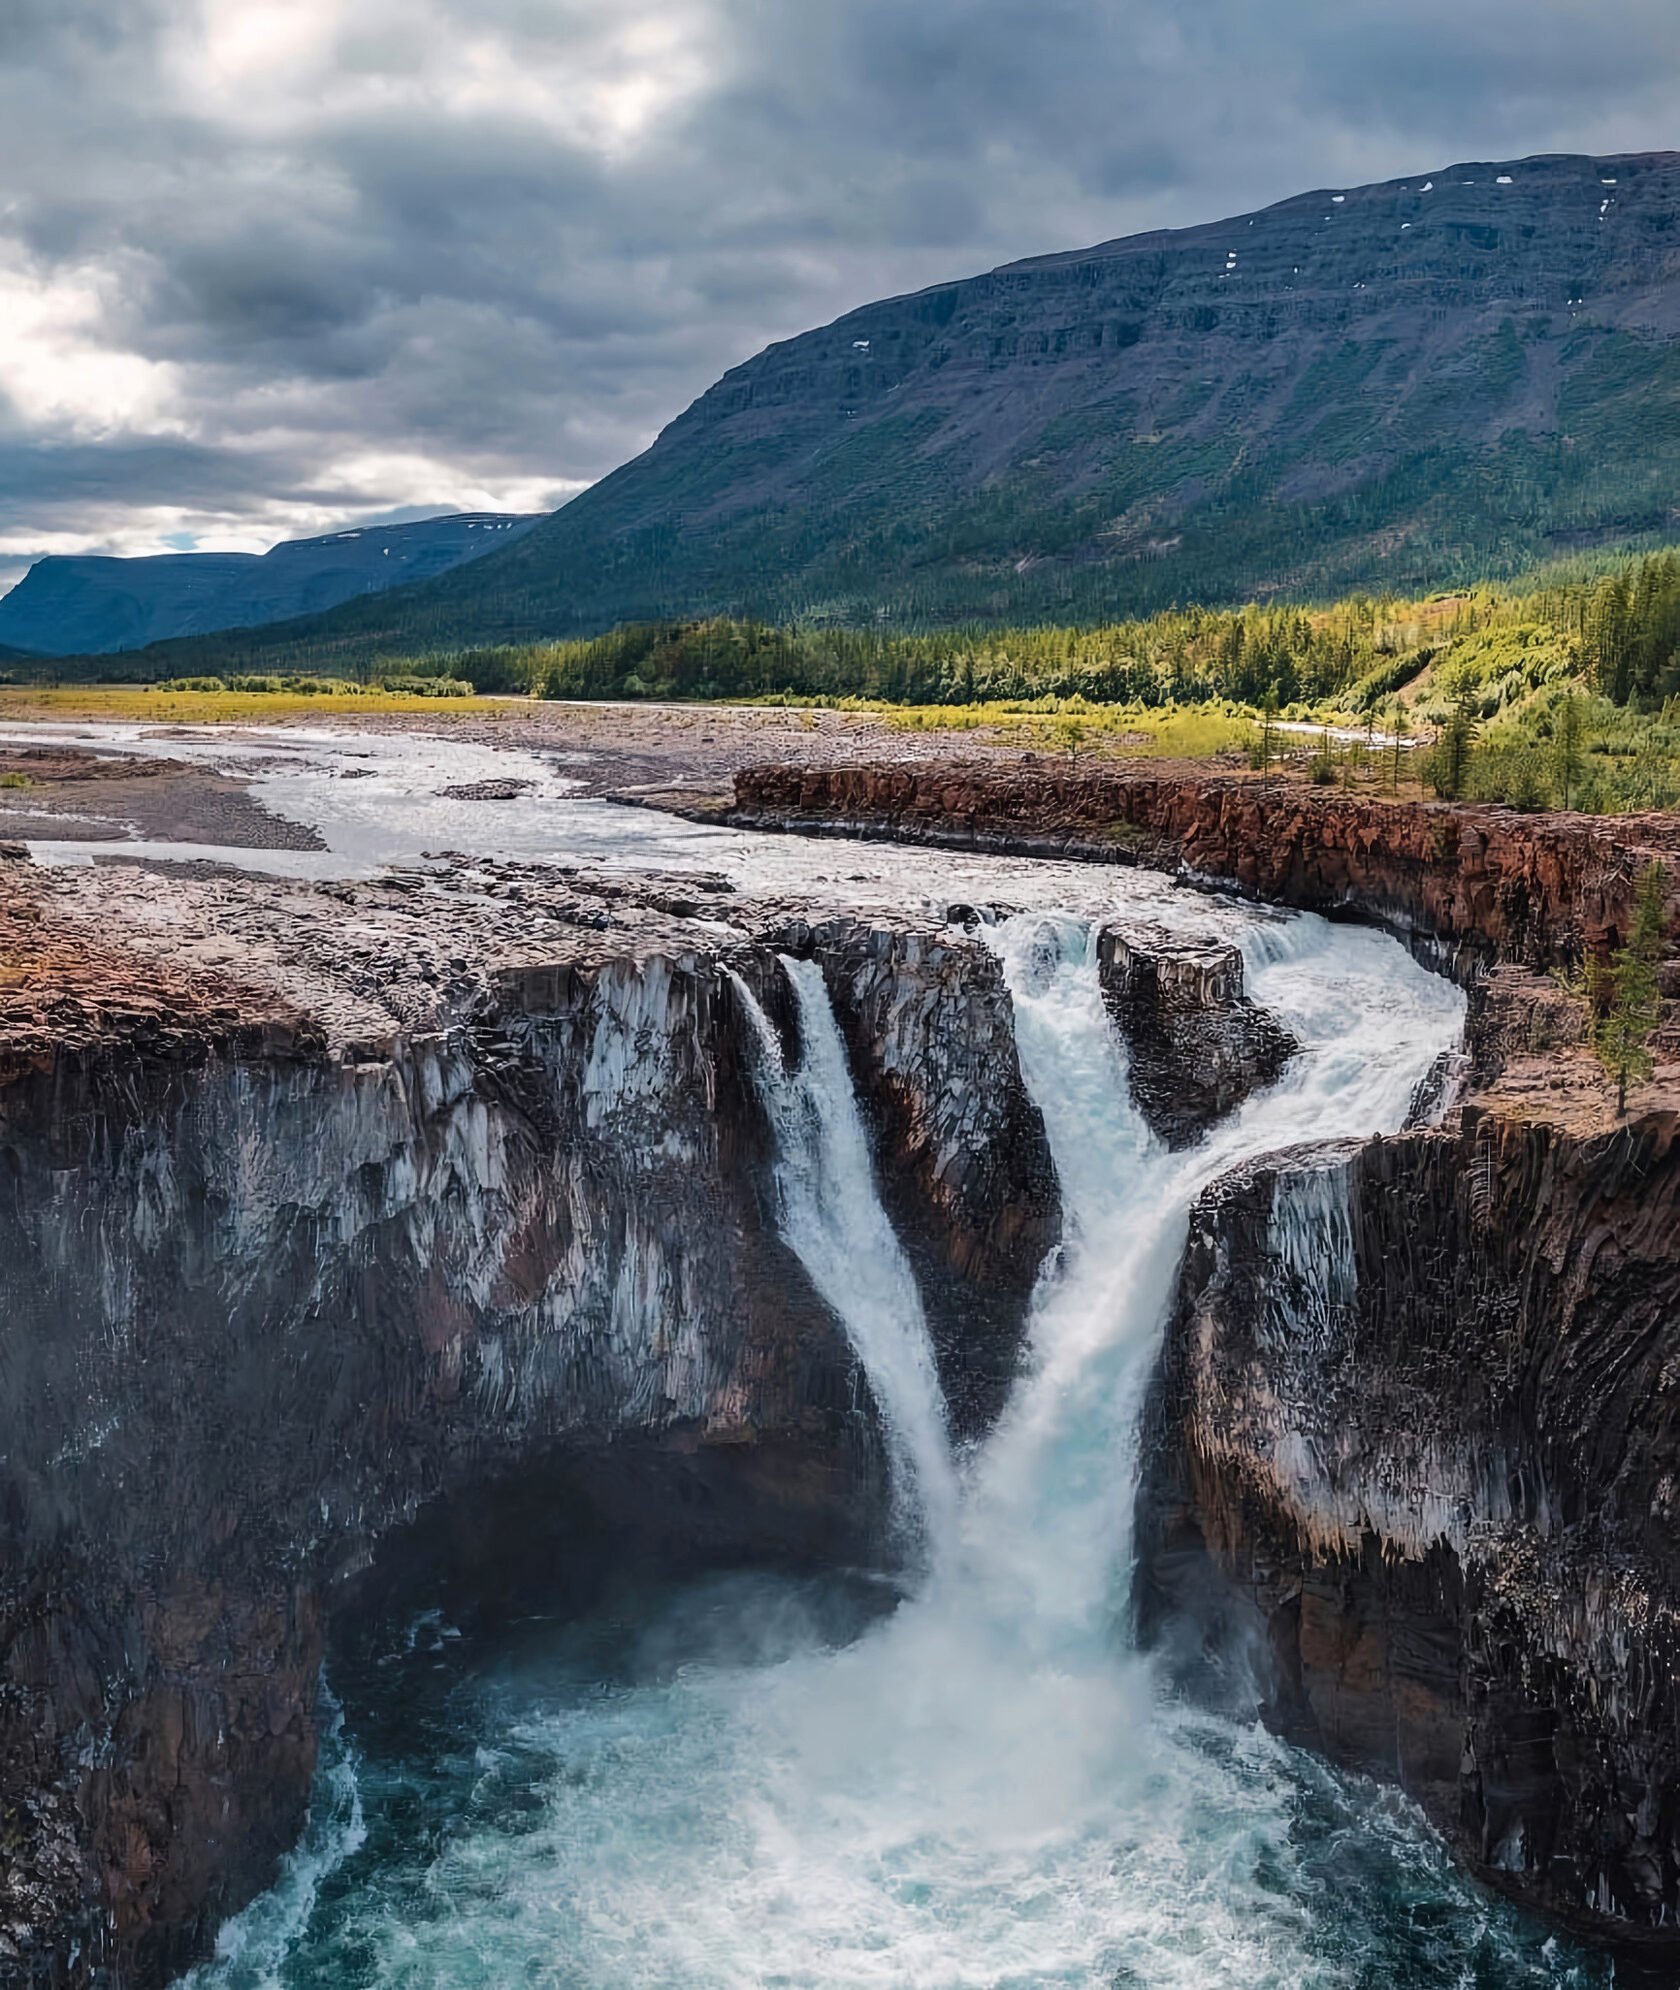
982	1781
488	1045
461	1179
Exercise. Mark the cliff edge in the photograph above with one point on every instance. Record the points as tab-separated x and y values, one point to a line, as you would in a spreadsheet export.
323	1204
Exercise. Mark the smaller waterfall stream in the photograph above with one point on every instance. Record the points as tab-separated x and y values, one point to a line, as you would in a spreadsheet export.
830	1215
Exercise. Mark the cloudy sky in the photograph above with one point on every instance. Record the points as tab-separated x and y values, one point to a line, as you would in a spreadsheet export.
267	266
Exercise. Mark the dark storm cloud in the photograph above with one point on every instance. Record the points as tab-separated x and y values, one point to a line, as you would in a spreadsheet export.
269	263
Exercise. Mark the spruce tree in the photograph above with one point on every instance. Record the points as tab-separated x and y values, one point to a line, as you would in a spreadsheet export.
1569	749
1399	725
1622	1036
1450	762
1268	714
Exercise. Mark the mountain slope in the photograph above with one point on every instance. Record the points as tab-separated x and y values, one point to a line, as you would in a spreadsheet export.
1397	385
67	605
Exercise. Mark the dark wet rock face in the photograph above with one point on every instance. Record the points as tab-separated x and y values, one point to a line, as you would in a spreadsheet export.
252	1326
1197	1045
463	1180
964	1164
1417	1432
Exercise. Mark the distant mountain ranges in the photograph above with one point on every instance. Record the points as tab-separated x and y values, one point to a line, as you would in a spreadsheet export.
78	604
1406	385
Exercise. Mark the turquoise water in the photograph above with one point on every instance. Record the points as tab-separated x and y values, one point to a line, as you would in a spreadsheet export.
659	1794
972	1783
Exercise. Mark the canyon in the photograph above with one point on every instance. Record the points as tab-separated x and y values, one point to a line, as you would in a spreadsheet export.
329	1201
1422	1462
353	1217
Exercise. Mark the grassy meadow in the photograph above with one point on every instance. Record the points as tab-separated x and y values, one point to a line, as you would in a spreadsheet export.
215	704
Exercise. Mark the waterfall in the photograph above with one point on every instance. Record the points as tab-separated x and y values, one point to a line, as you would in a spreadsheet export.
830	1215
1050	1505
985	1785
1047	1525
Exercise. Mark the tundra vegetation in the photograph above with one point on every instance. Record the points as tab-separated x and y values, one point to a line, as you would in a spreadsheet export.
1562	691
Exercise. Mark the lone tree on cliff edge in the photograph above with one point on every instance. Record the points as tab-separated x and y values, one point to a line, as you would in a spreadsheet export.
1569	750
1449	764
1398	725
1623	1032
1268	720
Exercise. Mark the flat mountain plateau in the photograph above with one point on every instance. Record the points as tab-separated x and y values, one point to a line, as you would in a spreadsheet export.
1398	386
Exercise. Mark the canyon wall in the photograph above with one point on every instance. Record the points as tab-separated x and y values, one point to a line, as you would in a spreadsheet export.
1411	1462
1417	1429
323	1203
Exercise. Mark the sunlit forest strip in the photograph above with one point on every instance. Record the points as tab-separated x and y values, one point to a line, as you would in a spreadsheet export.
1564	692
1560	692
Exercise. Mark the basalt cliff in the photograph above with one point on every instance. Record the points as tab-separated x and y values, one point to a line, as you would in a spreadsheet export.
330	1209
1412	1448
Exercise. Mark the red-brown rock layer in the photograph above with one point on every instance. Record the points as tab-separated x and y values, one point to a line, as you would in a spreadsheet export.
1533	888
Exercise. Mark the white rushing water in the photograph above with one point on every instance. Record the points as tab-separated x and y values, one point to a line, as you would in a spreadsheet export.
986	1788
830	1214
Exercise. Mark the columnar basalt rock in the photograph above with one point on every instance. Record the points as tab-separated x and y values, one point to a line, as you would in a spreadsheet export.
322	1202
1416	1422
1198	1046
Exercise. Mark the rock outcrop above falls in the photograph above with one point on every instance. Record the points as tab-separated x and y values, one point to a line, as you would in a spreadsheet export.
966	1172
326	1201
1197	1045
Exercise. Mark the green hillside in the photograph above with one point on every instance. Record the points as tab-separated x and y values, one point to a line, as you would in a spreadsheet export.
1407	386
